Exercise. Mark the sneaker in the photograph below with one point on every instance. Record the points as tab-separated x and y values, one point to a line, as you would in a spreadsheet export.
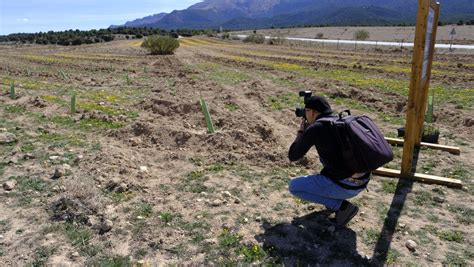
345	213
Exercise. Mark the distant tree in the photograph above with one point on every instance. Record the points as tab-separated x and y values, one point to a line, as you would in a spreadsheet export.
361	35
460	23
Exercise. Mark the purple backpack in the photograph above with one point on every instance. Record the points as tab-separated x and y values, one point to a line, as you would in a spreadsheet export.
361	143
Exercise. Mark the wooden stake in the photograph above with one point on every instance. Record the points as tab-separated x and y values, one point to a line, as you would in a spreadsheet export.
425	178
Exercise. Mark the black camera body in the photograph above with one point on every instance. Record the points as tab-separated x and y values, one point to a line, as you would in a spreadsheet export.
300	112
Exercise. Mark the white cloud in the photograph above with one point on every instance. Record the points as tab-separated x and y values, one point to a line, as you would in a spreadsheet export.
23	20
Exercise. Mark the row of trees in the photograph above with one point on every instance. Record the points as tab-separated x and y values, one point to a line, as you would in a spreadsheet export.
77	37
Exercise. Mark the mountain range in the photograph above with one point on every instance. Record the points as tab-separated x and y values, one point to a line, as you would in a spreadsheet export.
252	14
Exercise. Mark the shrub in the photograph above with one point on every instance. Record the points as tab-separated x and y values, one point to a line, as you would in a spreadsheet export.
361	35
160	45
255	38
276	41
319	35
225	35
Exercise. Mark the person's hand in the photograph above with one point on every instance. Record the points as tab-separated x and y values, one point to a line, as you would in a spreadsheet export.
303	126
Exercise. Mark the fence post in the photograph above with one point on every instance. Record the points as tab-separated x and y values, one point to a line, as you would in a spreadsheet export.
207	116
73	103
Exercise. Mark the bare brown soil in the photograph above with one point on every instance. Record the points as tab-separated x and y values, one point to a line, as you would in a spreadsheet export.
133	177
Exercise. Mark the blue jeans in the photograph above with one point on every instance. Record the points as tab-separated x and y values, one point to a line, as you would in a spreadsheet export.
321	189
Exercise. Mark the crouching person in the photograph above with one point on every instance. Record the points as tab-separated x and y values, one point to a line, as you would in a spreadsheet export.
335	183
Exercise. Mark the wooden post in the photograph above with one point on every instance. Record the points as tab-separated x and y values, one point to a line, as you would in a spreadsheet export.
432	26
427	15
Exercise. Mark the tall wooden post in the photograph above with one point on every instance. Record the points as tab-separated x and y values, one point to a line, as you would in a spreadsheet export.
426	26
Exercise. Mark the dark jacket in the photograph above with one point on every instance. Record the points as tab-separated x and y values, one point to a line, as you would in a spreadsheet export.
319	135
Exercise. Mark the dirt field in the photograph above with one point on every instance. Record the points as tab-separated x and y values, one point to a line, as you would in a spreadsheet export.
133	177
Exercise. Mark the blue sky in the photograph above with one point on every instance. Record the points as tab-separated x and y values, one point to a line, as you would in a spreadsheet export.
56	15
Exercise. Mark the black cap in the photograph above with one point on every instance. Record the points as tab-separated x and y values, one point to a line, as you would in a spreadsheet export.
318	103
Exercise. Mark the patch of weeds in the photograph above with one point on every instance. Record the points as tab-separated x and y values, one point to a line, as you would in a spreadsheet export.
229	240
140	253
281	206
423	237
80	237
14	109
119	197
34	184
217	167
58	140
113	261
371	236
454	259
94	124
392	256
283	101
144	210
389	186
432	218
422	198
459	171
2	168
231	106
28	147
42	255
5	226
166	217
451	235
382	211
252	253
429	166
194	182
197	230
228	76
464	214
19	231
300	201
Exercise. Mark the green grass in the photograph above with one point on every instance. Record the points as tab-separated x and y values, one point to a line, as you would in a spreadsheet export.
113	261
454	259
252	253
371	236
284	101
451	236
389	186
194	182
42	255
229	240
166	217
422	198
80	237
392	256
143	209
464	214
231	106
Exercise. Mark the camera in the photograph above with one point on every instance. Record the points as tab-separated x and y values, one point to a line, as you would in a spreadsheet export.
300	112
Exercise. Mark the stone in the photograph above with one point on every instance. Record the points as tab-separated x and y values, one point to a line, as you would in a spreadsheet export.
9	185
216	202
75	255
237	200
411	245
402	225
7	138
122	187
58	173
53	157
258	219
439	199
332	229
143	169
226	194
106	225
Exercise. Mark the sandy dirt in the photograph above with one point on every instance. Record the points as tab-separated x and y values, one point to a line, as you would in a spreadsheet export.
133	177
